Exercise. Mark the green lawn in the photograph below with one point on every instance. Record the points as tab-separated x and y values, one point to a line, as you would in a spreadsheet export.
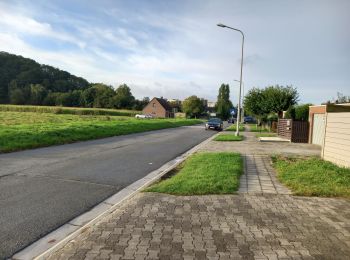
25	130
228	138
233	127
255	128
313	176
266	135
204	173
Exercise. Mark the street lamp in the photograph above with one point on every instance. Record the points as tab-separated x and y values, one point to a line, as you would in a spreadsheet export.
243	100
240	82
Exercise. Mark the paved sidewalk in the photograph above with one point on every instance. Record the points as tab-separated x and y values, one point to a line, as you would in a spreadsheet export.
263	221
270	226
260	177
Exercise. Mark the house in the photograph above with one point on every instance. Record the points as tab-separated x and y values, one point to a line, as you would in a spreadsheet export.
330	128
158	107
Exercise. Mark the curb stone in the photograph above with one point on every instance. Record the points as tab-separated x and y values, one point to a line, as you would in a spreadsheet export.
61	236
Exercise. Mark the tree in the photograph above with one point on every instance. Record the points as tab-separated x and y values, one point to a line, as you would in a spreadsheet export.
223	104
140	104
300	112
123	97
341	99
37	94
270	100
278	98
103	95
193	106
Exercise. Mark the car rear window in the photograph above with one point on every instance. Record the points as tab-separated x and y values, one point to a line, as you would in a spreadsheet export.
214	120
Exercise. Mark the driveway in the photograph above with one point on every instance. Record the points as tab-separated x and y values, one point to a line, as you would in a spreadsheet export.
44	188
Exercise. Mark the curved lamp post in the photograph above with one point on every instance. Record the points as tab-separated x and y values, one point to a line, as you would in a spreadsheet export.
240	82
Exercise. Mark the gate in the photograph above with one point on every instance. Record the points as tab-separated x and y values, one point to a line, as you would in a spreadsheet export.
318	129
295	131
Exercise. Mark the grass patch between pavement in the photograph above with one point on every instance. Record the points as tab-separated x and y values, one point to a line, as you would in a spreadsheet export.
233	127
266	135
313	176
25	130
228	138
204	173
255	128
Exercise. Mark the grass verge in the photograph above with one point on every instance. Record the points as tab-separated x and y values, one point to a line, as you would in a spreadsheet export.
256	128
233	127
20	130
228	138
313	176
204	173
266	135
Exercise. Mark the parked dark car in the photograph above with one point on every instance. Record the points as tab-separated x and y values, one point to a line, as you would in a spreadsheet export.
249	120
214	123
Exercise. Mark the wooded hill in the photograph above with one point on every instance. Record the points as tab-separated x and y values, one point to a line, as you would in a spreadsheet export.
24	81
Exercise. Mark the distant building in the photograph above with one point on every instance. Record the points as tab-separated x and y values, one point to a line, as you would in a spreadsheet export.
158	107
211	104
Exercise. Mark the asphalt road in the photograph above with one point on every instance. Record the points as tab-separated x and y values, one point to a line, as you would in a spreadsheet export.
42	189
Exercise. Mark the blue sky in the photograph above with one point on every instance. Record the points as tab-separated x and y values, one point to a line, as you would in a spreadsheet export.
174	48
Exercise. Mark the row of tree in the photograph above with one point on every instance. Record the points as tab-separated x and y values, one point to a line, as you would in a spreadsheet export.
25	82
97	95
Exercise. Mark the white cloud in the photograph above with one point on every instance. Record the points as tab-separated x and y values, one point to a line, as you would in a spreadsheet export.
176	53
25	25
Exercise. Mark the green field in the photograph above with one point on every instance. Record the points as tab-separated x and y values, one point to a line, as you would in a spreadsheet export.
313	176
69	110
204	173
25	130
228	138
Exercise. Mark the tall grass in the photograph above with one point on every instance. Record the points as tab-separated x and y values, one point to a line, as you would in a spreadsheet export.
68	110
20	131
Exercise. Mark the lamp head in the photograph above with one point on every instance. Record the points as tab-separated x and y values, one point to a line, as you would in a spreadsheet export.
221	25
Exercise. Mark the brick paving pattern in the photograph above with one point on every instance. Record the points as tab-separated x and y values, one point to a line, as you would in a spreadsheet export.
263	221
260	177
245	226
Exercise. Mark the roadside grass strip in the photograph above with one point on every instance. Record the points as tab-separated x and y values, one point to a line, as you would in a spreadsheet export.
203	173
233	127
228	138
256	128
19	130
266	135
313	176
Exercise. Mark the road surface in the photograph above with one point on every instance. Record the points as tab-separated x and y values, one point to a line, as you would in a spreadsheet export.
44	188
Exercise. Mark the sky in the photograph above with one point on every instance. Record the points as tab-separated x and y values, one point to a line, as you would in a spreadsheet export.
174	48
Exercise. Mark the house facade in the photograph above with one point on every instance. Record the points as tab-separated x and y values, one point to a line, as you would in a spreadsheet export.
330	128
158	107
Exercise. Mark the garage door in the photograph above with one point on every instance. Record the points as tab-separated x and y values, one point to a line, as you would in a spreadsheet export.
318	129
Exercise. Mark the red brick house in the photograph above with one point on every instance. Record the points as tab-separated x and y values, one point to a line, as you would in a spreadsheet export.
158	107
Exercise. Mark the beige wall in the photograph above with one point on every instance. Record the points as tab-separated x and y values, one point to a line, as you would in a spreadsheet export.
337	138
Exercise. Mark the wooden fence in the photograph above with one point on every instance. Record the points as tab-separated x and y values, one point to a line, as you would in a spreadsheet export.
295	131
